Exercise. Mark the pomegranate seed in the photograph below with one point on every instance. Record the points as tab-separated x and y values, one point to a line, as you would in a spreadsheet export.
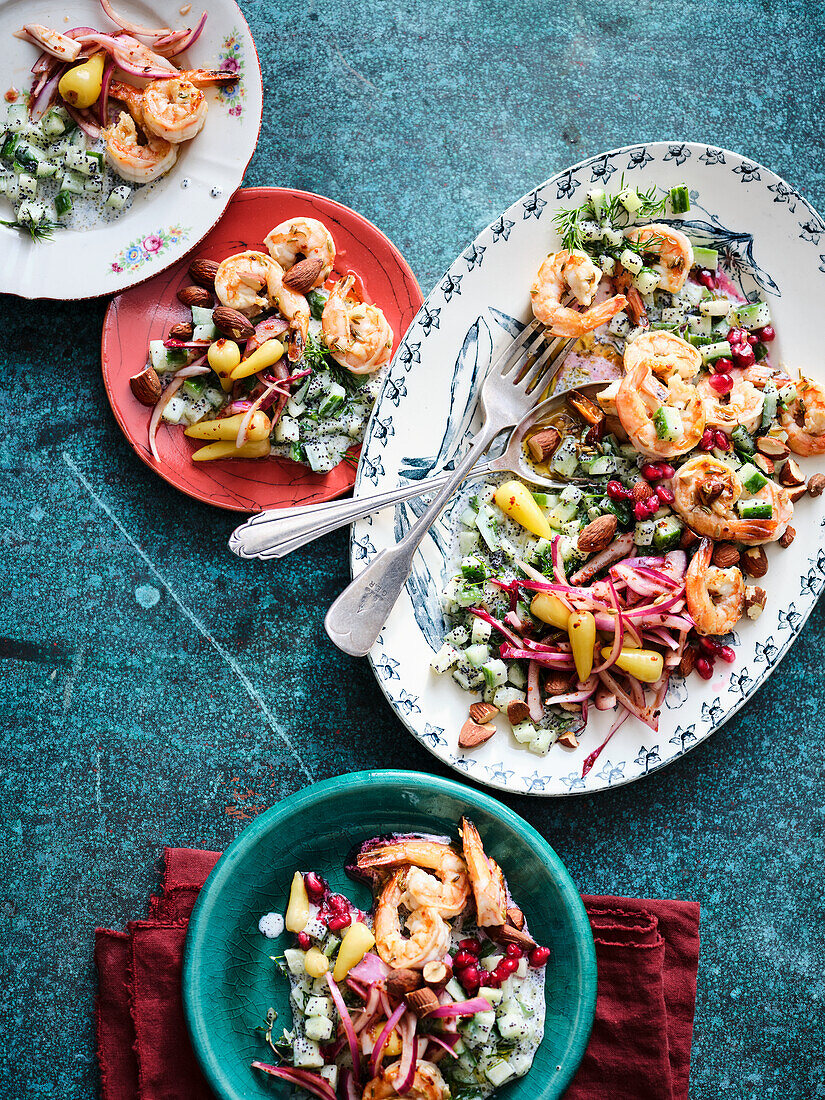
706	442
464	959
737	336
664	494
470	977
666	471
493	980
743	355
709	647
721	440
651	471
707	280
722	366
640	510
507	966
539	956
514	951
766	334
704	668
314	886
473	946
616	491
727	654
338	903
721	383
753	339
303	941
335	924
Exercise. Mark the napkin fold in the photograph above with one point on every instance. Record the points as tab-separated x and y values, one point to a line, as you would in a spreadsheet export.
647	953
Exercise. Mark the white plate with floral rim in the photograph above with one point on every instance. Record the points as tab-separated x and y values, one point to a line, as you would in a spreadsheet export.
167	218
772	243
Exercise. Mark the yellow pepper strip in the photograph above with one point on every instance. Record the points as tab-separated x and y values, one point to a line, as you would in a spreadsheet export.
550	609
267	354
645	664
297	910
227	449
223	356
582	630
229	426
356	943
516	501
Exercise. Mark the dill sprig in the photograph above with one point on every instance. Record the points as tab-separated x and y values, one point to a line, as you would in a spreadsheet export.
38	231
568	221
317	357
567	225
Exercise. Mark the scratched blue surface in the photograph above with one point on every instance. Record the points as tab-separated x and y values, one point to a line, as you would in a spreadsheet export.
155	690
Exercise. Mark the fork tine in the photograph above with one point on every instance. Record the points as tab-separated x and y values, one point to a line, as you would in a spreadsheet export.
520	358
531	335
549	361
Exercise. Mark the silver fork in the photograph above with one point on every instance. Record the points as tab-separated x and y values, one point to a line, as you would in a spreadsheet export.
356	618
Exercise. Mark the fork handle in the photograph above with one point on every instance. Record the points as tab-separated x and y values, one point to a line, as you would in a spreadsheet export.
357	617
276	533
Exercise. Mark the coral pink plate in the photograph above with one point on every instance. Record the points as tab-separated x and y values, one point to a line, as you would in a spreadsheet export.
147	312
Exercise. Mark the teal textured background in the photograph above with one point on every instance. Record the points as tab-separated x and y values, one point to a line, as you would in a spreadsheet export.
152	684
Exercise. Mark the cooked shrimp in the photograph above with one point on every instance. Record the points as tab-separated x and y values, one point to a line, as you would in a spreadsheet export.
571	272
428	935
705	494
428	1084
641	396
174	109
293	306
133	161
674	250
131	96
759	374
804	419
666	353
206	78
357	334
743	406
486	878
715	597
448	892
240	281
302	238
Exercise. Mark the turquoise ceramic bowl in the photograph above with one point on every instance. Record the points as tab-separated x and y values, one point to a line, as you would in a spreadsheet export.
229	981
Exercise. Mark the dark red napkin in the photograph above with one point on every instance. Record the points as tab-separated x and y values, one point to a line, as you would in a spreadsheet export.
647	954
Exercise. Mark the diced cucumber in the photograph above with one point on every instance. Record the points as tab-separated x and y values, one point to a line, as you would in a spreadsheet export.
455	990
477	655
287	430
571	494
73	182
332	400
668	423
214	397
458	636
174	410
469	678
646	280
516	674
751	316
601	465
541	742
319	1006
467	541
28	157
318	1028
751	478
468	517
607	264
612	237
770	396
679	199
488	527
754	509
499	1072
480	631
565	459
714	307
306	1053
590	231
706	258
205	332
667	533
494	996
673	315
201	316
619	324
742	440
93	186
631	201
27	186
643	532
46	170
503	696
18	116
330	1075
118	196
595	196
495	672
63	201
294	959
712	352
632	261
53	125
524	732
165	359
320	458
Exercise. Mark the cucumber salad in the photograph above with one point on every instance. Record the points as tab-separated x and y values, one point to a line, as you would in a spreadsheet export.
685	468
285	363
436	993
70	153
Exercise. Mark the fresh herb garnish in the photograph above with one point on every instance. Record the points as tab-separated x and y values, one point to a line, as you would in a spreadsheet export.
38	231
318	358
568	221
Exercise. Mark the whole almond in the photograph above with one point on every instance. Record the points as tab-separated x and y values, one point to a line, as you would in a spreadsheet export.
436	973
816	485
232	323
772	447
569	739
304	275
508	933
515	917
146	386
791	475
472	734
788	537
797	492
755	600
483	712
543	444
182	331
517	711
203	272
195	296
725	555
401	982
557	683
688	661
597	535
422	1001
754	562
642	490
765	464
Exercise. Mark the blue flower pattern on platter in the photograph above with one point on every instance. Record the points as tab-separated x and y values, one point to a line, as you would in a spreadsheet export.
737	250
